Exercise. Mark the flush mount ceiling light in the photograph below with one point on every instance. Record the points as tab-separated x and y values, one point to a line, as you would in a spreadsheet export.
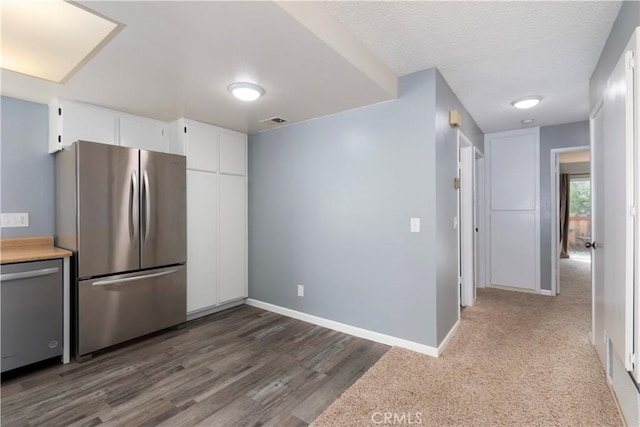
245	91
51	39
527	121
526	102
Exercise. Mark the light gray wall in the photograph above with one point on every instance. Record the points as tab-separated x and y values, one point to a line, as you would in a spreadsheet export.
447	201
627	21
329	207
27	171
559	136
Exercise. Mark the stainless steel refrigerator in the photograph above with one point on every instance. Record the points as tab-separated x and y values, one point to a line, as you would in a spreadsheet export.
122	211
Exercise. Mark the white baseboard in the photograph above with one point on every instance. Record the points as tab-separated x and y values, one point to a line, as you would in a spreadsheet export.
446	339
210	310
352	330
546	292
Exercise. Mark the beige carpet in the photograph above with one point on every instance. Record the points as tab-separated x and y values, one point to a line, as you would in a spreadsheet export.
517	359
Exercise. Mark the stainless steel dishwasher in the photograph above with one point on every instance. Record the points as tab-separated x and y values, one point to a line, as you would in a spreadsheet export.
31	316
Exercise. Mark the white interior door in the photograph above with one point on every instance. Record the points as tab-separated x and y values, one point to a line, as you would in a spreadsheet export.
597	231
617	244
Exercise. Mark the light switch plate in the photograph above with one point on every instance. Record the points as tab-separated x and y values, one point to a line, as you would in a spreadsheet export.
415	225
300	290
9	220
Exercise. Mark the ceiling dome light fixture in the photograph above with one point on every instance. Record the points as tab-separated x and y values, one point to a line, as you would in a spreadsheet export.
527	121
245	91
526	102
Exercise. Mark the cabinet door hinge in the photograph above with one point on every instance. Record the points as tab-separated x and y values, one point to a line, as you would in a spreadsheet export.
60	111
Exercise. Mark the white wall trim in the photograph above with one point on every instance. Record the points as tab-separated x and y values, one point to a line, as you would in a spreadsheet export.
352	330
211	310
546	292
555	202
480	219
447	339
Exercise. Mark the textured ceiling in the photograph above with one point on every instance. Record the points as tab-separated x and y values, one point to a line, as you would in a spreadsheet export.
175	59
491	53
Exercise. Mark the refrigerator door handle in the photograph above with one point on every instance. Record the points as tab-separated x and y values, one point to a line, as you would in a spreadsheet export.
134	206
133	278
147	203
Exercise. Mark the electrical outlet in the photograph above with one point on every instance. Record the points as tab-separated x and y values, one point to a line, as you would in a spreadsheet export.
300	290
14	220
415	225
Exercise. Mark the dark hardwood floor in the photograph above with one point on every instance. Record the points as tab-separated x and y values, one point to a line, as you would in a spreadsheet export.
243	366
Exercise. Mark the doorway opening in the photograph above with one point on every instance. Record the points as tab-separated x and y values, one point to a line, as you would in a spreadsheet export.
579	227
571	219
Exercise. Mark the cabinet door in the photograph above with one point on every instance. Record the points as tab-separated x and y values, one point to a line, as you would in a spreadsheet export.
202	147
87	123
202	219
233	153
233	237
146	134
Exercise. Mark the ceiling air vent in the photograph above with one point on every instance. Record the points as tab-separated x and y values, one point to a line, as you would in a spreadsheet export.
273	120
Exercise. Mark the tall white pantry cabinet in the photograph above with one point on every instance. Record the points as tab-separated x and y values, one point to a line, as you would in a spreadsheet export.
216	214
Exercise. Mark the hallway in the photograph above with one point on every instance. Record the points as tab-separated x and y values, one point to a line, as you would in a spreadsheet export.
517	359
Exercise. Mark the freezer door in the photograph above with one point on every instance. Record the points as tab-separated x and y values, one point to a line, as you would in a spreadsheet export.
163	223
108	209
115	309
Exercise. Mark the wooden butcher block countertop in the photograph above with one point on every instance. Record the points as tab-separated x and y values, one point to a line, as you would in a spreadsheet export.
23	249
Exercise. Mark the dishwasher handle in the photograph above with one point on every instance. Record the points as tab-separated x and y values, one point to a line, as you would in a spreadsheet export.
28	274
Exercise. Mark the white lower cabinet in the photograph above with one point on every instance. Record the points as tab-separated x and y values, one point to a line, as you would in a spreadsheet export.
202	240
233	238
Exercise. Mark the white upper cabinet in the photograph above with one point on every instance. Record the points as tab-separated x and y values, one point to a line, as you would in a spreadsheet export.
233	153
210	148
147	134
72	121
514	161
202	146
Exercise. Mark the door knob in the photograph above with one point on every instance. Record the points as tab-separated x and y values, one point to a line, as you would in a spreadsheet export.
590	245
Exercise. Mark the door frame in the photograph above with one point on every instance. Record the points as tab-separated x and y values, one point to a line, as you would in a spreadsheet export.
479	219
594	200
555	207
466	252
